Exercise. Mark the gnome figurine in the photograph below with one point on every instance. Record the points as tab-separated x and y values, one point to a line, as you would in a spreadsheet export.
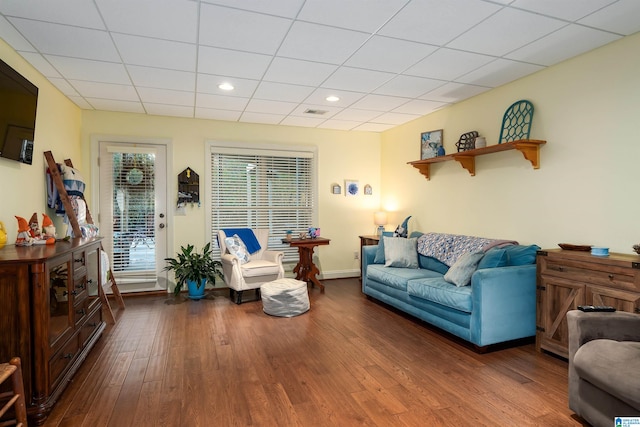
34	228
49	230
24	233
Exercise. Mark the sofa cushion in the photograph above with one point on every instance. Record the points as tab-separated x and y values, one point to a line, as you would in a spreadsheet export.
440	291
461	271
494	257
400	252
397	277
432	264
379	259
522	255
612	366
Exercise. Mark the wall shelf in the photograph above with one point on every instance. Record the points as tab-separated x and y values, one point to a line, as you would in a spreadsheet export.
530	149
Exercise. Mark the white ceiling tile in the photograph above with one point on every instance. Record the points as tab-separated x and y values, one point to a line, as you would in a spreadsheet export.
208	83
356	115
284	70
565	43
373	127
395	118
620	17
64	86
213	114
170	20
64	40
41	64
80	102
399	54
380	102
338	124
266	118
286	8
361	15
320	43
319	97
168	110
114	105
499	72
10	35
273	107
454	92
80	13
419	107
83	69
408	86
219	102
241	30
161	78
570	10
282	92
356	79
507	30
225	62
301	121
300	110
447	64
149	52
105	90
166	96
435	21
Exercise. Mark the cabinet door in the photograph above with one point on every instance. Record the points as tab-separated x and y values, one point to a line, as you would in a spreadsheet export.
60	300
93	278
621	300
559	296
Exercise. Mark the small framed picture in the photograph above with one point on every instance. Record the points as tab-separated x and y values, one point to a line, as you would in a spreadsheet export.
336	189
368	190
351	187
430	143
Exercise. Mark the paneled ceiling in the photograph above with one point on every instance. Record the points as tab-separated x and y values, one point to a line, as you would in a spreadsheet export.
388	61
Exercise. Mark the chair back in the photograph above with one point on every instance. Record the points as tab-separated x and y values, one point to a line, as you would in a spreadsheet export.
516	123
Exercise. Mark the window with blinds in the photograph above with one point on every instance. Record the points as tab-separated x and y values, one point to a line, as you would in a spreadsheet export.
262	189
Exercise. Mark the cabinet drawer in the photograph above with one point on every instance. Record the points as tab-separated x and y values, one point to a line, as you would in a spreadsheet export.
61	360
89	328
600	274
79	262
80	310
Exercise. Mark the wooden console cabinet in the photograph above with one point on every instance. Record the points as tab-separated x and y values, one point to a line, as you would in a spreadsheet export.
567	279
50	315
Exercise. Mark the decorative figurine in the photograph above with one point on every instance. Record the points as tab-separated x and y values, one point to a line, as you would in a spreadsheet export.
49	230
24	233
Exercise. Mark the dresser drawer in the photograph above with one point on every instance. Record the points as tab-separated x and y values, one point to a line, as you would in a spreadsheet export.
61	360
80	310
612	276
88	329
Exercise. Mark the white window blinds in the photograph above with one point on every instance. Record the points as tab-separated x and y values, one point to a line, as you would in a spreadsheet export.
271	189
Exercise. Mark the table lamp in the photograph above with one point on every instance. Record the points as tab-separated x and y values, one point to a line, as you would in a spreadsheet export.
380	219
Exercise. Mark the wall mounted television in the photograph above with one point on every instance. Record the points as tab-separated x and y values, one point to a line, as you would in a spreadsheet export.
18	101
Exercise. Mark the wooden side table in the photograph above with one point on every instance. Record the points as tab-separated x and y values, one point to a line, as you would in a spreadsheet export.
367	240
306	270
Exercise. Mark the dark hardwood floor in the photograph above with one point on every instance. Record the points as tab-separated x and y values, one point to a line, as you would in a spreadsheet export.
348	361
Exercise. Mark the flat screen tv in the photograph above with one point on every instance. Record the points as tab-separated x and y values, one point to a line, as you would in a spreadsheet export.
18	101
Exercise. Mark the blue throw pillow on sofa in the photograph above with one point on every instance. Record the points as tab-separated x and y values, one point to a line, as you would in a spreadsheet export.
379	259
522	255
494	257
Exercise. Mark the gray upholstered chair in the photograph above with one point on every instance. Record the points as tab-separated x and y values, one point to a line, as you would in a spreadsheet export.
604	365
264	266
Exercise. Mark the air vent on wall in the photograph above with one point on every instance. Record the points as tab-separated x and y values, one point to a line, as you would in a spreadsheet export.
316	112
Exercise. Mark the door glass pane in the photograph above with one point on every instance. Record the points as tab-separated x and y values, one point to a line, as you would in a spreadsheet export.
58	300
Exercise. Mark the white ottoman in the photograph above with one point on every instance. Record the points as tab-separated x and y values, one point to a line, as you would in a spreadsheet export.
285	297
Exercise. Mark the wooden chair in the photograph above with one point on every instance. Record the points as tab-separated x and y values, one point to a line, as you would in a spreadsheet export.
15	397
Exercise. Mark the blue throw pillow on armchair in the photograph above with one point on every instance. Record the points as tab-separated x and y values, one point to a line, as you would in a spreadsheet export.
522	255
379	259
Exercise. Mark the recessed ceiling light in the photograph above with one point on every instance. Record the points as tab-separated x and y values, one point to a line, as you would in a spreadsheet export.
225	86
332	98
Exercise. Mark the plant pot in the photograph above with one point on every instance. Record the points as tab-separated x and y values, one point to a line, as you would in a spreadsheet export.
196	292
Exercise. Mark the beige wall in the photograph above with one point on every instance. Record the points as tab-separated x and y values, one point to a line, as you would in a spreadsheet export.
341	155
22	187
585	192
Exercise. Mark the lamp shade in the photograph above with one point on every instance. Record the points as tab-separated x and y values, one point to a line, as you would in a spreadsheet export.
380	218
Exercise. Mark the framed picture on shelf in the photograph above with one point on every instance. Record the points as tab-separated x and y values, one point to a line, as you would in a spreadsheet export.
430	142
351	187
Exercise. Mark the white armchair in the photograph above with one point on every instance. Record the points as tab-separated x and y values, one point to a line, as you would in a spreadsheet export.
264	266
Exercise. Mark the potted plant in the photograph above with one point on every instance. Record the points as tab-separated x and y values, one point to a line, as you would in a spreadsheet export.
195	269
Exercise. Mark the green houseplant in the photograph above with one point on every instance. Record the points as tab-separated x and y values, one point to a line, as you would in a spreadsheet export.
195	269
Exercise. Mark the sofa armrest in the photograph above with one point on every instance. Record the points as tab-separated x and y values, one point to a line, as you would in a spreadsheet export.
368	255
273	256
503	304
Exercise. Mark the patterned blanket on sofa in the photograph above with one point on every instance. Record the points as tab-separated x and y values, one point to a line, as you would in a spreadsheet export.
447	248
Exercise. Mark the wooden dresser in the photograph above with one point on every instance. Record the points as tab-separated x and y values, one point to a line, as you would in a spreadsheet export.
567	279
50	315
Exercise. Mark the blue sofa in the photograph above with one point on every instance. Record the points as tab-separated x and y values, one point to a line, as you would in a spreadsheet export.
498	305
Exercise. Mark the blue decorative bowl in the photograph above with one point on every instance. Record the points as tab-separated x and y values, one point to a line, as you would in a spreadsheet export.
600	251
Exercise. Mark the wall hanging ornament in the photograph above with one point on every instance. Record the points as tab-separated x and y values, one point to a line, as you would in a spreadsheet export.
188	187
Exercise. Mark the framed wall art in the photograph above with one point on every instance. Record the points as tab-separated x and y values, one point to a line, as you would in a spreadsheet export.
336	189
430	142
368	191
351	187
